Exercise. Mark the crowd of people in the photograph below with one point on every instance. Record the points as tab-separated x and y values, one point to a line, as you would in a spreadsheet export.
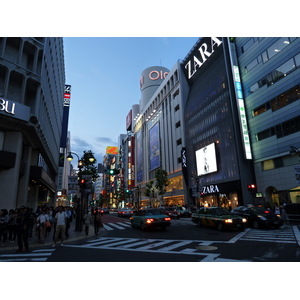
23	224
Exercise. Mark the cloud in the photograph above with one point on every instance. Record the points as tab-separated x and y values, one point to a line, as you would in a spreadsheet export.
106	140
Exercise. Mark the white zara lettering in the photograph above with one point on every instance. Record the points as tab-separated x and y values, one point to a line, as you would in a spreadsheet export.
210	189
193	65
154	75
4	105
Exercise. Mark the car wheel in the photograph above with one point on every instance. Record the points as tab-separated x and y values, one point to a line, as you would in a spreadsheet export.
277	226
143	226
199	224
220	226
255	224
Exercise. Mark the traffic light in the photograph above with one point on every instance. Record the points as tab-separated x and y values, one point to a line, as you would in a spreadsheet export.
113	171
251	188
82	182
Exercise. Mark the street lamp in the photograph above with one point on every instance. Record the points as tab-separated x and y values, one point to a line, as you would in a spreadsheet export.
294	151
198	180
79	210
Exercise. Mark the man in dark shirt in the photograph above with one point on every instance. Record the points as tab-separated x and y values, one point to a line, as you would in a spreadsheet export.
23	222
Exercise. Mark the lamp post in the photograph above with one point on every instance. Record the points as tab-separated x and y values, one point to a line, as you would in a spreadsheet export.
294	151
198	180
79	207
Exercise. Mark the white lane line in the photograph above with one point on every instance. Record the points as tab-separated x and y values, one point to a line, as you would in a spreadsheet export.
177	245
296	233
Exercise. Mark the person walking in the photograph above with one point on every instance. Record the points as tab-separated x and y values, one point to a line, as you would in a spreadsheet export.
41	219
12	226
4	218
68	220
60	225
97	222
23	220
87	219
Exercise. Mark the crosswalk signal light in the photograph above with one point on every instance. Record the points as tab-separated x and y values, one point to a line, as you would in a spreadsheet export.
114	171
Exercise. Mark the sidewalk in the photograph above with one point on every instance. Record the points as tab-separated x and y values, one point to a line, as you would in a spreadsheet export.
34	243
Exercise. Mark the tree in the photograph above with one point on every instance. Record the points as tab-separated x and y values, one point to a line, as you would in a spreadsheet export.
89	168
162	182
149	190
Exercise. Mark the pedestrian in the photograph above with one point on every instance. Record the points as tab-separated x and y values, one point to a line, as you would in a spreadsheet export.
87	219
12	226
97	222
41	219
32	219
23	220
68	220
60	227
276	209
4	218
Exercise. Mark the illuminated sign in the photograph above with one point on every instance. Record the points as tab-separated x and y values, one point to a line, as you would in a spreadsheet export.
67	95
206	160
205	51
112	150
242	113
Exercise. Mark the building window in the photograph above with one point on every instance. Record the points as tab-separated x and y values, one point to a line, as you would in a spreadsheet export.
178	124
177	107
179	142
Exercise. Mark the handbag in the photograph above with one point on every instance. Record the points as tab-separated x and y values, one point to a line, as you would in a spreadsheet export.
47	224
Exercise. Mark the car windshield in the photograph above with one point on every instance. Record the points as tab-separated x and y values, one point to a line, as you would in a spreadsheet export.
220	211
153	212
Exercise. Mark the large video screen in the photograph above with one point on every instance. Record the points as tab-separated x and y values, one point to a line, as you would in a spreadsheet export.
206	160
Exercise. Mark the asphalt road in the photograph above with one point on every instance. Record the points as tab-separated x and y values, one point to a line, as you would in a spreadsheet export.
183	241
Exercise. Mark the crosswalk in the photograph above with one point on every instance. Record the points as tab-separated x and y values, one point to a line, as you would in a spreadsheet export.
284	235
39	255
127	224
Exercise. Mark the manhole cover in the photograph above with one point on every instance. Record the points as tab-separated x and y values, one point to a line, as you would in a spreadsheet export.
206	248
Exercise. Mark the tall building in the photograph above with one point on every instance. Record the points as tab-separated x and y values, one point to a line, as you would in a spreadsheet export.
270	76
159	134
219	162
32	82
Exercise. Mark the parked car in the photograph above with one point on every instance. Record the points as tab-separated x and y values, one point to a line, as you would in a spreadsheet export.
103	210
150	218
183	212
259	217
125	212
219	217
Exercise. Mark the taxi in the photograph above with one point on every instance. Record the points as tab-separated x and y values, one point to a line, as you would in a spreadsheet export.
218	217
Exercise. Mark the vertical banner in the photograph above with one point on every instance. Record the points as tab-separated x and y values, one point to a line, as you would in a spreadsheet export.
139	157
154	145
65	121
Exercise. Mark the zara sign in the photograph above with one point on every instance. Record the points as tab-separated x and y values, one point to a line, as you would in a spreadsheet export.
204	52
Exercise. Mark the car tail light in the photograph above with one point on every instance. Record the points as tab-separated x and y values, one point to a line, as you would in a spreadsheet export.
266	212
149	220
167	219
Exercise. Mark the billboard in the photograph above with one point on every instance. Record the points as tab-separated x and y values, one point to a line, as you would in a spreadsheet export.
65	121
112	150
154	146
206	160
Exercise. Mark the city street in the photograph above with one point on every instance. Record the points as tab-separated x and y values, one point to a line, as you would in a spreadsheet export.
183	241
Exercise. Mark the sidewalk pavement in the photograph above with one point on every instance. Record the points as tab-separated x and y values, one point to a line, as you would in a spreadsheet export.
34	243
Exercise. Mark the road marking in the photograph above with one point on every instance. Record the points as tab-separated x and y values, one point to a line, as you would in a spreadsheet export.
296	233
35	255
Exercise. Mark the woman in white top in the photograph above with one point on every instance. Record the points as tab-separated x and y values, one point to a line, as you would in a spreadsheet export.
41	219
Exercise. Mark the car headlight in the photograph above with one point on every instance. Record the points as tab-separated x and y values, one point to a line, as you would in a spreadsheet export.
262	218
228	221
244	220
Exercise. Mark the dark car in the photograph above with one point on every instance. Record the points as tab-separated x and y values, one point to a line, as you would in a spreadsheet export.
125	212
218	217
171	212
259	217
150	218
183	212
103	210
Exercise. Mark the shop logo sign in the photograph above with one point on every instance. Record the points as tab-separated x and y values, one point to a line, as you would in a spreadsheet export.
205	51
7	106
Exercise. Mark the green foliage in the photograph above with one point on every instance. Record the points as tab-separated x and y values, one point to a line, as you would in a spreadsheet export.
161	181
89	168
